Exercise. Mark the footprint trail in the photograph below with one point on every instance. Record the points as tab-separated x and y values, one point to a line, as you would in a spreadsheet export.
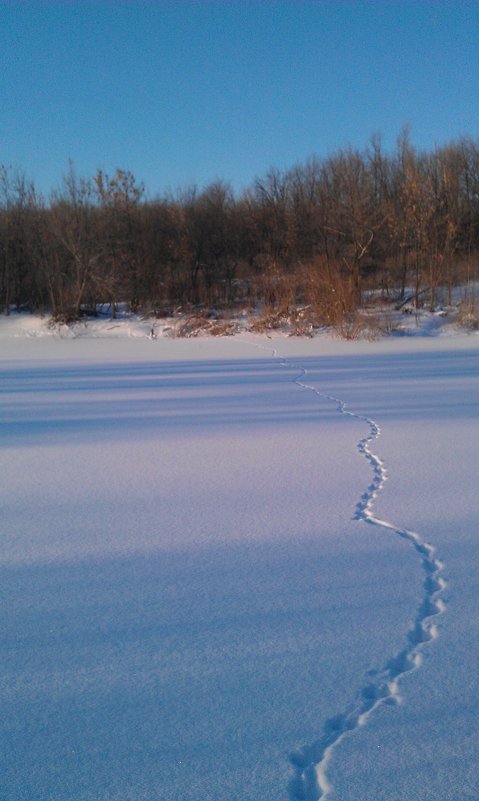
310	763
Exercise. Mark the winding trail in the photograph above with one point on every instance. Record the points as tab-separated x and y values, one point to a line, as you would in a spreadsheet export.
310	763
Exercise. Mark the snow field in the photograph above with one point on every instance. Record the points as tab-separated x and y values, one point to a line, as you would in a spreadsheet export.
187	597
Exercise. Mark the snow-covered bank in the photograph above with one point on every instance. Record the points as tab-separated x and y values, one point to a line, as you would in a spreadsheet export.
187	599
378	319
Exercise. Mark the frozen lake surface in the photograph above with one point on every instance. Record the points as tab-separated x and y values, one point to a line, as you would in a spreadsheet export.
211	593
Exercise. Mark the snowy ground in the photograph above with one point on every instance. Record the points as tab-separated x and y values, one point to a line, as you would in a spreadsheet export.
197	578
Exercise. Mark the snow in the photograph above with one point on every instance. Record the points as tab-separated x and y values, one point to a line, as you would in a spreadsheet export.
215	553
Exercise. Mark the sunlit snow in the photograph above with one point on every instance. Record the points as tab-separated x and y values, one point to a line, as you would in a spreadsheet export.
238	569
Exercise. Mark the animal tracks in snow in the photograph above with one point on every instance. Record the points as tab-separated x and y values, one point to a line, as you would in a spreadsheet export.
310	763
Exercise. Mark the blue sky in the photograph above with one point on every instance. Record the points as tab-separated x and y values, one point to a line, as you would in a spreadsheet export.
188	92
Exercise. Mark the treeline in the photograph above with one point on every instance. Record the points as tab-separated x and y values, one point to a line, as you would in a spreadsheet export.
321	234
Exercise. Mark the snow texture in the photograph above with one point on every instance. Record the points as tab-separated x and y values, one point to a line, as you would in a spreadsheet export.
239	568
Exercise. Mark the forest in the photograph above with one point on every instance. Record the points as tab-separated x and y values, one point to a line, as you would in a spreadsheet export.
325	235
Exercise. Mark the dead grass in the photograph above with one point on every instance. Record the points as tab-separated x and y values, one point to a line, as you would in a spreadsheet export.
363	324
468	314
199	325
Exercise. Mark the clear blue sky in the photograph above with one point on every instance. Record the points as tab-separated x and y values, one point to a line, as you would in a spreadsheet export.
186	92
